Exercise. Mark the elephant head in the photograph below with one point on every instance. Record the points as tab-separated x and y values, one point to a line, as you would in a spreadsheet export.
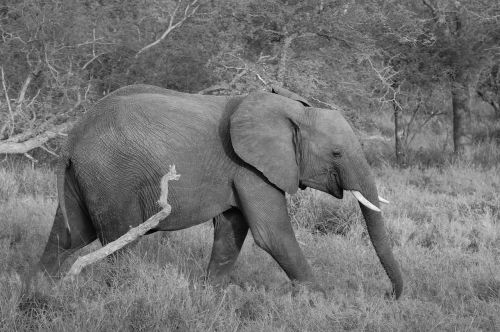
295	146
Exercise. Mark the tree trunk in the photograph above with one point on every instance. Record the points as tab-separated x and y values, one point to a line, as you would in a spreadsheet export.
280	77
397	139
461	103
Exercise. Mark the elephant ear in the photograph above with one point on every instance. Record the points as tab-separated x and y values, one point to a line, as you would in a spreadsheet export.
289	94
265	135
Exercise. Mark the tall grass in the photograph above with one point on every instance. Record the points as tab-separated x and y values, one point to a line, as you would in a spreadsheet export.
443	221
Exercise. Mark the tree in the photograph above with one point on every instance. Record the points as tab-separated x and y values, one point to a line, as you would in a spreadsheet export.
59	55
173	14
41	71
468	37
432	43
270	43
489	87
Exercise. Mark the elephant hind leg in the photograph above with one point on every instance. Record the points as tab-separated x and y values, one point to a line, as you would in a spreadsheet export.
117	220
57	249
230	230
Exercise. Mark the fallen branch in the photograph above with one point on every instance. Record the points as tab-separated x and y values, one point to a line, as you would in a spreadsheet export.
133	234
49	151
15	147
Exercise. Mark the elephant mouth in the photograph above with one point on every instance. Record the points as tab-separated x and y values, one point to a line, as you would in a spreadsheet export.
334	187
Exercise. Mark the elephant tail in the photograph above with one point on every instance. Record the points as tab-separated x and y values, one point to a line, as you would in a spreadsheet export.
62	165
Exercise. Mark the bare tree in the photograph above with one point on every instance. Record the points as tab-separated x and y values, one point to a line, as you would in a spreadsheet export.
53	61
174	17
472	26
388	92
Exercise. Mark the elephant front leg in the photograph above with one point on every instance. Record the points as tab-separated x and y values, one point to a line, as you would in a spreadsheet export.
230	230
264	207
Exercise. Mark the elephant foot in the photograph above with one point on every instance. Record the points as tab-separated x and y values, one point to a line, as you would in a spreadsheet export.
390	295
217	281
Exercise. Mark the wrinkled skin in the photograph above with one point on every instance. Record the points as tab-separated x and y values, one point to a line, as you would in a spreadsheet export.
237	157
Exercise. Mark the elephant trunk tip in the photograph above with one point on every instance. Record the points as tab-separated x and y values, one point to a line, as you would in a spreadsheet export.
397	288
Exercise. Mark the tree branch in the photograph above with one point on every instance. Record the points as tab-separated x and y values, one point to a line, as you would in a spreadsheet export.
13	147
431	8
280	77
189	11
26	84
217	87
332	106
133	234
92	60
260	78
7	99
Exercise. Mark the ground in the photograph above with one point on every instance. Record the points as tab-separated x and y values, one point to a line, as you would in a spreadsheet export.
443	221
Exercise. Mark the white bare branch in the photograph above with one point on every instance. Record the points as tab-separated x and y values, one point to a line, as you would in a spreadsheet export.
260	78
13	147
332	106
386	75
24	88
133	234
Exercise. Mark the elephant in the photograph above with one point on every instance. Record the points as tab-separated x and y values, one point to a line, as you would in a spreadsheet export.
237	156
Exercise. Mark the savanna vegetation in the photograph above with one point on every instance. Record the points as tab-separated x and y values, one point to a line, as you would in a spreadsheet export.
419	81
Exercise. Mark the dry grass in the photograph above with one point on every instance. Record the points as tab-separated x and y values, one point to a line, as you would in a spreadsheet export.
444	223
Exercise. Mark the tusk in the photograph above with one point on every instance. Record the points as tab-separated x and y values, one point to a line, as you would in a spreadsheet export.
383	200
364	201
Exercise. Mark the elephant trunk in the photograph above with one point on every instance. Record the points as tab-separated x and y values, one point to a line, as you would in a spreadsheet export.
381	242
361	183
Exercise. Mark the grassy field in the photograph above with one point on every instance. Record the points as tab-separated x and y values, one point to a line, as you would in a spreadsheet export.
443	220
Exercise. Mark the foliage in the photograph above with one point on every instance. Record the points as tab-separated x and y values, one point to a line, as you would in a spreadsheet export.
60	55
361	56
419	47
